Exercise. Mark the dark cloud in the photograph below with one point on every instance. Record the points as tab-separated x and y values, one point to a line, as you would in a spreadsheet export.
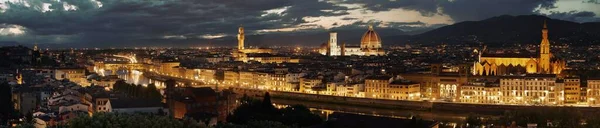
406	23
580	16
593	1
470	10
138	21
426	7
149	22
349	18
459	10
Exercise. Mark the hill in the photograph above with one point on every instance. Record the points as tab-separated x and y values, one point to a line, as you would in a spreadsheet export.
506	30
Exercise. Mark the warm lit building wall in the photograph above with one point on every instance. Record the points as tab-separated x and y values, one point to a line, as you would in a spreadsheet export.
405	91
572	90
246	79
501	66
377	87
76	75
306	84
102	105
527	90
168	68
537	90
429	84
480	94
206	75
593	92
556	93
231	78
276	81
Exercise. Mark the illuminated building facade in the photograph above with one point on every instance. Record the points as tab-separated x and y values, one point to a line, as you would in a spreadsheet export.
486	93
520	63
370	45
438	84
572	90
593	91
261	55
387	87
529	89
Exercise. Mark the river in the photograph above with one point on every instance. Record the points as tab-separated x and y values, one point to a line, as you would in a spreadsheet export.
447	119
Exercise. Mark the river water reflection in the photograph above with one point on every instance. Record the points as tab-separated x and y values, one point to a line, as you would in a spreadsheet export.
447	119
138	78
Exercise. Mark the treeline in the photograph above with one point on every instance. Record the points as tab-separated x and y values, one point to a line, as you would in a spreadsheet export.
252	112
7	111
138	91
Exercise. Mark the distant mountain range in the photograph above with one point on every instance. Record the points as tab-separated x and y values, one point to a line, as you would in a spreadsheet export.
506	30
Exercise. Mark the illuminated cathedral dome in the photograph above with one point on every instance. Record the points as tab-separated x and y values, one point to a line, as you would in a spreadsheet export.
371	43
370	37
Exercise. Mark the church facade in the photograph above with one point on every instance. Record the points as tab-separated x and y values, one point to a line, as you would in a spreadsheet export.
370	45
509	64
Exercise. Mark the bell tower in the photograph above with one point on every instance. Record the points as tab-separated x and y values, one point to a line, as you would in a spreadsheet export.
545	50
240	37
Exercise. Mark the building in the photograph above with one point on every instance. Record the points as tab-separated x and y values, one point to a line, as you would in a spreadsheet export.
370	45
531	89
75	75
404	90
377	86
310	83
387	87
520	63
261	55
192	101
572	90
593	91
480	92
440	85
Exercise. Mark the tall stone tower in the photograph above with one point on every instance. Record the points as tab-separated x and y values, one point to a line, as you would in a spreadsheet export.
240	37
333	44
35	47
545	51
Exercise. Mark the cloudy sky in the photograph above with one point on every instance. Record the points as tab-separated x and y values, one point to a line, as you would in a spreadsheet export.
106	23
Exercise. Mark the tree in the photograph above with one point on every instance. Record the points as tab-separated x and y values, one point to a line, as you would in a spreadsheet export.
254	110
266	103
153	93
6	109
299	115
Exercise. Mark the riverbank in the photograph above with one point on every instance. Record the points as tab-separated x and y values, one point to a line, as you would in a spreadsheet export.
486	109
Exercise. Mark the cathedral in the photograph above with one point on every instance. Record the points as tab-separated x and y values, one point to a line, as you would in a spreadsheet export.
509	64
370	45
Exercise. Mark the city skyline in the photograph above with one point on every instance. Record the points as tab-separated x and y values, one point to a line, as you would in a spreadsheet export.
130	23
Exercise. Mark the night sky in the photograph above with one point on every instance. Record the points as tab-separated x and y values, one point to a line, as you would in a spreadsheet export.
105	23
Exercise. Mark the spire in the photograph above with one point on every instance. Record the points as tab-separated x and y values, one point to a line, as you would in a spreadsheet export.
370	27
545	26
